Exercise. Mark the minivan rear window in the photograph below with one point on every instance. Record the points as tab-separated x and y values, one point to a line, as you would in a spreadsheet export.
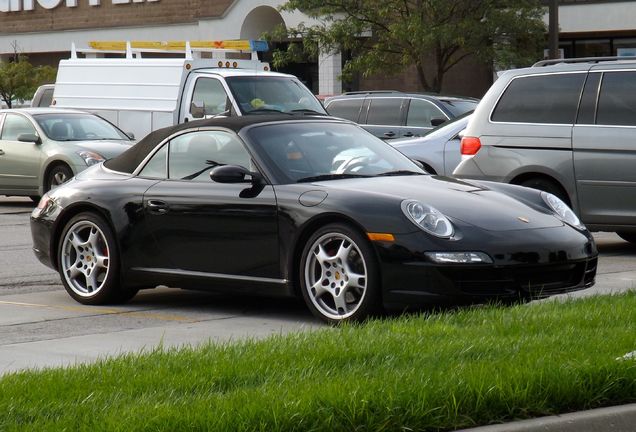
551	99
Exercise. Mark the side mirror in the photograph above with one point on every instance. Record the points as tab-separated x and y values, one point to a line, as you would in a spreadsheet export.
233	174
197	111
29	137
437	121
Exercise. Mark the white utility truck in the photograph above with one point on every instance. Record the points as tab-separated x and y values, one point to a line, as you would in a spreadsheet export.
145	90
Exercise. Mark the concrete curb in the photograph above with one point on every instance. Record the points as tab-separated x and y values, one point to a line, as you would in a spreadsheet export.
611	419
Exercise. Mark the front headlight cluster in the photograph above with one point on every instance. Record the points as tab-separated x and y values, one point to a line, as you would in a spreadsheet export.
561	209
91	157
428	218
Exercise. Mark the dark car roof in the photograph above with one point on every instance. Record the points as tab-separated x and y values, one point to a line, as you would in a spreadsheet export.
129	160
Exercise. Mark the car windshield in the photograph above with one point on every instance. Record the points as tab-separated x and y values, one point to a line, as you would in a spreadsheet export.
459	106
261	94
77	127
299	152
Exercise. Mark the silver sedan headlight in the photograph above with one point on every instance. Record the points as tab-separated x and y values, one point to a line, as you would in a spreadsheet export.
91	157
428	218
562	210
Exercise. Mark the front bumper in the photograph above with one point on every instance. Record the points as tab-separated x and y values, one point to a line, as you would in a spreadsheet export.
527	264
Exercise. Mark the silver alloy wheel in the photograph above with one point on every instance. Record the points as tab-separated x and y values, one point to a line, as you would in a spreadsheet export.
58	178
85	258
335	276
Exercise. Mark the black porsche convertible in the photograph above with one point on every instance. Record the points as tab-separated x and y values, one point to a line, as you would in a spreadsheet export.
307	206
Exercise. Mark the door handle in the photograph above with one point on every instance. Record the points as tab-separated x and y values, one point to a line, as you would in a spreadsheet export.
157	206
408	134
389	134
1	152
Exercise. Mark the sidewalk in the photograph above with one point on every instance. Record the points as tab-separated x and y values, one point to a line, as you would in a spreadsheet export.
620	418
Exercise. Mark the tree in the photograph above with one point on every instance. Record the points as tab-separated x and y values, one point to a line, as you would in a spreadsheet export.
431	35
19	79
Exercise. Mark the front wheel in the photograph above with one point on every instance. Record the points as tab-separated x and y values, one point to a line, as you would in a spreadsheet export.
88	262
58	175
339	275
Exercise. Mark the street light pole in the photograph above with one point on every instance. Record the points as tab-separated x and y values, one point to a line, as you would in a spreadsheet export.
553	29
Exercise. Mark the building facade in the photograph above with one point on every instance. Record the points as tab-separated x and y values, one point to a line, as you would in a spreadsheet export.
45	30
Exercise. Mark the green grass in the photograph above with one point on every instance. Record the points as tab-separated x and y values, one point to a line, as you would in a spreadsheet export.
419	372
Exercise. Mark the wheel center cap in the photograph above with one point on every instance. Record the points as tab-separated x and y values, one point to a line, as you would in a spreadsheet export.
337	275
89	258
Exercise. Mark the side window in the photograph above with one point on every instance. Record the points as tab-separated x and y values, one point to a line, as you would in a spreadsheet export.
587	111
209	93
617	100
385	111
421	112
193	155
347	108
15	125
157	166
541	99
46	98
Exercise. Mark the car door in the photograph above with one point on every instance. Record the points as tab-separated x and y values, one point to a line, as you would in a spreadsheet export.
19	161
216	230
384	117
604	148
420	115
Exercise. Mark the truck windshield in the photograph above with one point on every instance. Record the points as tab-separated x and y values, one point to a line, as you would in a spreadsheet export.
77	127
273	94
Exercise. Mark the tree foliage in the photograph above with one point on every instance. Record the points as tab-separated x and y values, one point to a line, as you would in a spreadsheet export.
19	79
432	35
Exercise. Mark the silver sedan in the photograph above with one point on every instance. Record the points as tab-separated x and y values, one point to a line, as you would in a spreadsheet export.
41	148
438	150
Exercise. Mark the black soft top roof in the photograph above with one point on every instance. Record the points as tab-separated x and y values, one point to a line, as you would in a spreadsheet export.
129	160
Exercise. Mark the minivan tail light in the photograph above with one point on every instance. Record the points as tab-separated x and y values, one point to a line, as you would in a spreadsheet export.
470	146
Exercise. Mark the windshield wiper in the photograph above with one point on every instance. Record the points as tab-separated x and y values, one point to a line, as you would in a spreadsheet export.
307	111
329	177
266	110
400	173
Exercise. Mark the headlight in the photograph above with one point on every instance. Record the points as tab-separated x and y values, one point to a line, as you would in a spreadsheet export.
428	218
561	209
90	157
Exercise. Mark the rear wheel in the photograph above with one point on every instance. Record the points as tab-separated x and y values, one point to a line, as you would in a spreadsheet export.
57	175
339	275
88	261
547	186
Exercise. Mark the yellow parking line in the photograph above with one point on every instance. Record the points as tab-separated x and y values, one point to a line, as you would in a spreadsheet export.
104	311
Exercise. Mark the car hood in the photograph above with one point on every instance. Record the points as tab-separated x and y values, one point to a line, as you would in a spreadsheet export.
470	203
106	148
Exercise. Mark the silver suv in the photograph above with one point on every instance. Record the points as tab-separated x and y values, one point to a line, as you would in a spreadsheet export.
567	127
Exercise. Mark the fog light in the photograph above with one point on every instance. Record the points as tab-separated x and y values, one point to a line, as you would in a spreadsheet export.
459	257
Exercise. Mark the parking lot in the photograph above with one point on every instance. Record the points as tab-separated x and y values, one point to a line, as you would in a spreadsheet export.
42	326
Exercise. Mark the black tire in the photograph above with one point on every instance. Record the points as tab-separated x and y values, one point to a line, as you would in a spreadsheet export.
88	262
58	174
35	198
343	298
627	236
547	186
